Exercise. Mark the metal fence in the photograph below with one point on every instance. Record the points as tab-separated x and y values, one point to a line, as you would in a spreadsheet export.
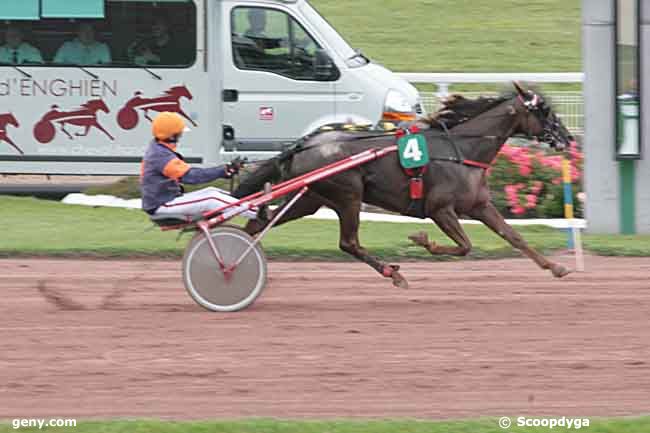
568	104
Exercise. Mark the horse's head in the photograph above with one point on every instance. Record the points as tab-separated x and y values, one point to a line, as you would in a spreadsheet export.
539	120
11	120
96	105
180	91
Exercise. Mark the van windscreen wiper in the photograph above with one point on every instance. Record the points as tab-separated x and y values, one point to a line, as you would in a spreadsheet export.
153	74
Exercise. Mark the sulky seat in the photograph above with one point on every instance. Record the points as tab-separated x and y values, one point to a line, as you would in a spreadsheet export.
174	219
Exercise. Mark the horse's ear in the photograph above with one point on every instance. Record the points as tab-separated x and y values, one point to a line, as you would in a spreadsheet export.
519	89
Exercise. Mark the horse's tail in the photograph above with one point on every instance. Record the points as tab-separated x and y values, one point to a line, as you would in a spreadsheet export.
268	171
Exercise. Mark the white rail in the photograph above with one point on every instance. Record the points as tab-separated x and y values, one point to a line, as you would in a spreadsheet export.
444	79
569	104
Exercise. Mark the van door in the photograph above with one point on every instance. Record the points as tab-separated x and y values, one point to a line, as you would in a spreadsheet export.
271	95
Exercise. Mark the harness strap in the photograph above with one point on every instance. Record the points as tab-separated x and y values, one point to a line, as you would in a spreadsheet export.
476	164
459	156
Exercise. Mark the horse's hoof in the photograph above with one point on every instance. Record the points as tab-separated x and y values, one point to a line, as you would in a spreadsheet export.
560	271
399	280
420	238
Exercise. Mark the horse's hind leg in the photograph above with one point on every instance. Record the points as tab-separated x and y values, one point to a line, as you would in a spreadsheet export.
448	222
348	212
83	134
491	217
65	131
306	205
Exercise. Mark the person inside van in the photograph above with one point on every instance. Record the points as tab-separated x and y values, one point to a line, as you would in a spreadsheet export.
84	49
162	47
257	30
164	171
16	51
256	23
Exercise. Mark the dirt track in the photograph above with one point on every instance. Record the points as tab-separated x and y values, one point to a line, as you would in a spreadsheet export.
122	339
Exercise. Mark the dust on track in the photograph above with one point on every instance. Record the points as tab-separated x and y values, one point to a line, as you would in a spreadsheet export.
103	339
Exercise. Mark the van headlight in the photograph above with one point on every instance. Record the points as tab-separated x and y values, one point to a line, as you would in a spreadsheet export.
397	108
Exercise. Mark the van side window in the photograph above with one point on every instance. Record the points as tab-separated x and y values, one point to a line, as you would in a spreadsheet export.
270	40
133	33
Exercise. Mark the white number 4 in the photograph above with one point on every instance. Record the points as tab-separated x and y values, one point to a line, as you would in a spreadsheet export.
412	150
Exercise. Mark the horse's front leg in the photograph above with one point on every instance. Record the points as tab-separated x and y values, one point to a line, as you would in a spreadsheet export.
348	212
189	119
448	222
101	128
490	216
8	140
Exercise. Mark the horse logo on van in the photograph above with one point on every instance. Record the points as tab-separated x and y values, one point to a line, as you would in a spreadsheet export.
8	119
86	116
128	117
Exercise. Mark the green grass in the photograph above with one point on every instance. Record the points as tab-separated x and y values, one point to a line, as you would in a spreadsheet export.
462	35
632	425
37	227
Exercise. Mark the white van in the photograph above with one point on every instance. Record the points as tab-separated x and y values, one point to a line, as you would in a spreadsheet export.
80	80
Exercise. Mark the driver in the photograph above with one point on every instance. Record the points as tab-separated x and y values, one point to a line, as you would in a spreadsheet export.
164	171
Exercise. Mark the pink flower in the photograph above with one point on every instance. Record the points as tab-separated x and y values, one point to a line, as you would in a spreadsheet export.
531	201
518	210
525	170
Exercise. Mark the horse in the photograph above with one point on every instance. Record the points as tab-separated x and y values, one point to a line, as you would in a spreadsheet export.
127	117
8	119
455	184
85	116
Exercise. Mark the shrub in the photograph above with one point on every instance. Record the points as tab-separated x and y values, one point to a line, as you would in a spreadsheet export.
527	182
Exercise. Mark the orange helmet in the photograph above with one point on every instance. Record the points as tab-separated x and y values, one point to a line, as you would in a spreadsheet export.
167	125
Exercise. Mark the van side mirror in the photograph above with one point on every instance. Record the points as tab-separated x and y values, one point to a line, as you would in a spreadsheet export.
324	68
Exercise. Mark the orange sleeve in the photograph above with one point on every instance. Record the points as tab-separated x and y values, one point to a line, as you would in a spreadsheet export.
176	168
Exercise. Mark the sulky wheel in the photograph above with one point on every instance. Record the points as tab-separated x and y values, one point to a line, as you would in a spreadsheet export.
215	289
127	118
44	131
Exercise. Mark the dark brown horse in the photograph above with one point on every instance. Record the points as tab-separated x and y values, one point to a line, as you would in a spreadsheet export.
463	130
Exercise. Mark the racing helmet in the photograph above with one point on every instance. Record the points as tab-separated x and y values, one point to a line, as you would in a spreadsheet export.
168	126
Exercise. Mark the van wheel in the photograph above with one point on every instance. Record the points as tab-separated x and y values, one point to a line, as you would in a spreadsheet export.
127	118
44	131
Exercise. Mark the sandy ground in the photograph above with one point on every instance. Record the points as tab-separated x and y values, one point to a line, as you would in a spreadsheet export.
104	339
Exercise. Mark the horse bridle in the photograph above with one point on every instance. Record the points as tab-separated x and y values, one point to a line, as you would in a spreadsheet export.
537	106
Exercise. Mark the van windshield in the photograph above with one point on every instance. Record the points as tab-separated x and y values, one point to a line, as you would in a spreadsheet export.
333	38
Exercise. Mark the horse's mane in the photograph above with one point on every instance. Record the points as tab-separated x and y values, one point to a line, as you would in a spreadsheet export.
92	104
457	109
171	90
